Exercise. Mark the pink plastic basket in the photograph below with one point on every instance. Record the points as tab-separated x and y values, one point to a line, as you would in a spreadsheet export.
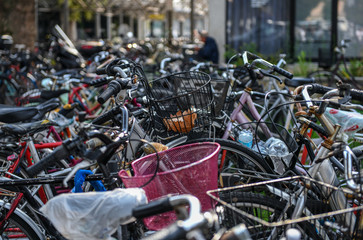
189	169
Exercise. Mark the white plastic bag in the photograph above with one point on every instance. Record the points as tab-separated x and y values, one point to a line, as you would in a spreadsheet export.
93	215
351	122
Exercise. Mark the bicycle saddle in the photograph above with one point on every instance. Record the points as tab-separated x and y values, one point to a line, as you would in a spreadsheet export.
298	81
49	94
13	114
19	129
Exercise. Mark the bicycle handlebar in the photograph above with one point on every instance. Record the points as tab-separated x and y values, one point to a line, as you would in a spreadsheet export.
58	154
355	94
257	59
101	81
179	229
283	72
348	154
114	87
172	232
348	170
238	232
153	208
122	123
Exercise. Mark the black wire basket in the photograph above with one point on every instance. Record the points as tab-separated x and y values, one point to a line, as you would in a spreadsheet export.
182	102
262	132
220	88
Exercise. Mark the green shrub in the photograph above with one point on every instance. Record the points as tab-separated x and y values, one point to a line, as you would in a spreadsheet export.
356	68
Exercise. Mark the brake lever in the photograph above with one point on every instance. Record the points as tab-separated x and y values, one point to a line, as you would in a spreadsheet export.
265	73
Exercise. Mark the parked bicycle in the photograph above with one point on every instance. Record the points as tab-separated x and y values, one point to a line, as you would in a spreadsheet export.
337	73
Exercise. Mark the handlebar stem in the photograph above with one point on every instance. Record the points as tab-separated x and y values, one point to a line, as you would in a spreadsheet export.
163	63
195	217
120	71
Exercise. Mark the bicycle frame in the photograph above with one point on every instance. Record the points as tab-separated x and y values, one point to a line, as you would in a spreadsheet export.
29	151
322	168
76	92
238	116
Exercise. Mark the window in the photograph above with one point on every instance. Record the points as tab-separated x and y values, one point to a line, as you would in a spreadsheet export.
350	25
312	26
259	23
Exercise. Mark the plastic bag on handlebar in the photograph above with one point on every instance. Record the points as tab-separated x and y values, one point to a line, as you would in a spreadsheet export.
351	122
93	215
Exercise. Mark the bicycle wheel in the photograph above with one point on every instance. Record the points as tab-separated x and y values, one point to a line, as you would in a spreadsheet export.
237	163
325	77
20	226
265	208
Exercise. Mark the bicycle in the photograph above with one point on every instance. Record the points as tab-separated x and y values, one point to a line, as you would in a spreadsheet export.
306	202
337	73
192	222
190	91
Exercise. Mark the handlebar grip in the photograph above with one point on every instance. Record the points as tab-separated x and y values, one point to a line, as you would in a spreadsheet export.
356	94
254	56
317	88
58	154
357	152
104	117
113	88
152	208
105	95
99	82
172	232
101	71
283	72
319	129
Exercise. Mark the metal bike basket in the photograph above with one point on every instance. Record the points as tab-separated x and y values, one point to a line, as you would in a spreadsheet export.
266	208
220	89
182	102
258	129
188	169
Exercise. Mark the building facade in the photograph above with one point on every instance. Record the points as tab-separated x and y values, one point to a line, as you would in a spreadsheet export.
292	26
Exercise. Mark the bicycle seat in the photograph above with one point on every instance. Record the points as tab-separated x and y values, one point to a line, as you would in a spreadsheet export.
19	129
49	94
13	114
73	72
298	81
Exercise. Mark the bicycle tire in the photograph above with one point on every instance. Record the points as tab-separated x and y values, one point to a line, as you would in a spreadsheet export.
256	204
237	159
19	220
325	77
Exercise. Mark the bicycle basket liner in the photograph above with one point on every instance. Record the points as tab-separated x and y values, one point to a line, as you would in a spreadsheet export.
189	169
182	101
266	208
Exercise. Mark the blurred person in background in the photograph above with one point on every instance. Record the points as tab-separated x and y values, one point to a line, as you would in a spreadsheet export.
209	51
